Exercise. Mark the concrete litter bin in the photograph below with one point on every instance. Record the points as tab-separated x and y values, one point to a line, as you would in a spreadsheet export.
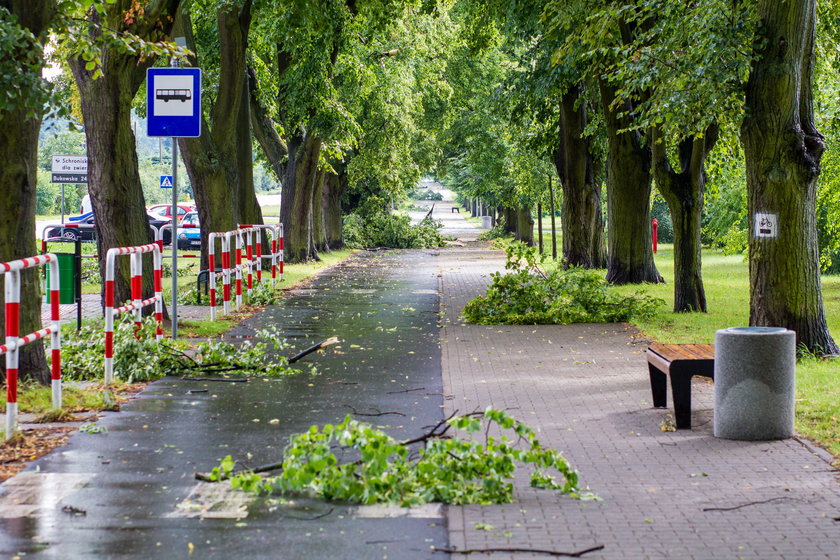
755	370
487	222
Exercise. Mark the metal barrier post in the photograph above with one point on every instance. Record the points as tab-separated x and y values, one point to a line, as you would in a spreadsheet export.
136	292
14	342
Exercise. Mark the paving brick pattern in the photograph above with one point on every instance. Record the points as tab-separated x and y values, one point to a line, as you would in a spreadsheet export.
586	388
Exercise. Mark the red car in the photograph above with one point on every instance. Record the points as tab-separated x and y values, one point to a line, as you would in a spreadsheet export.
165	210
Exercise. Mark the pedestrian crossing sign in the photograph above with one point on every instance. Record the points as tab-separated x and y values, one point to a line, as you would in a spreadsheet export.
166	181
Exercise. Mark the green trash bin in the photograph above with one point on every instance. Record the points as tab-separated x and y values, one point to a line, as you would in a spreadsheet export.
66	285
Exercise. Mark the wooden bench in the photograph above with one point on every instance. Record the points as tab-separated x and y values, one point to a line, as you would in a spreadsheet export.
680	362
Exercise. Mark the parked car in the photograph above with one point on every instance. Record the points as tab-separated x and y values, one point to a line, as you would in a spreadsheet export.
189	233
70	233
165	210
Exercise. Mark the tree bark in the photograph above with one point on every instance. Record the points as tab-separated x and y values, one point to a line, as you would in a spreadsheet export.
582	222
319	230
683	191
783	149
525	225
219	162
113	175
298	195
18	164
510	219
630	255
333	191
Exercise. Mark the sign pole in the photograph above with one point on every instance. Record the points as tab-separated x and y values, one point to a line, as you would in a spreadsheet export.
174	238
62	203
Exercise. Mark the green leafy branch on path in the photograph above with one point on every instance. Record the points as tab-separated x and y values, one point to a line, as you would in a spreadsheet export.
527	295
139	357
446	469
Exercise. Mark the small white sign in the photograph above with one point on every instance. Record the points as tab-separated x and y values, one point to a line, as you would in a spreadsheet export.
766	225
173	96
166	181
74	165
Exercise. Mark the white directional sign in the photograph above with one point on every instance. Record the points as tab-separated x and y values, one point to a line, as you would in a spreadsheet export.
173	102
69	169
166	181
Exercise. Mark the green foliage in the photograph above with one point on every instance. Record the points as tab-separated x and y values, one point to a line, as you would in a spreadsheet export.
448	470
142	358
263	293
425	194
526	295
373	227
135	358
496	232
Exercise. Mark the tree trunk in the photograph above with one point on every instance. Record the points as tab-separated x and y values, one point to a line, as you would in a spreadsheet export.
525	225
18	164
783	149
219	162
583	222
509	216
630	259
319	230
113	175
333	190
683	191
265	131
298	194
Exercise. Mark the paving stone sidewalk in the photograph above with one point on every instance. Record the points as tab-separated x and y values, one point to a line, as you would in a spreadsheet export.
683	494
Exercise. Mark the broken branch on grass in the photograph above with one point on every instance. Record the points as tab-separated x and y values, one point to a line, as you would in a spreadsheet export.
577	554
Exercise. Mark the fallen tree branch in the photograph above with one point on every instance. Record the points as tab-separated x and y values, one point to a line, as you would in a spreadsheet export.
261	469
323	344
405	391
577	554
220	379
747	504
373	414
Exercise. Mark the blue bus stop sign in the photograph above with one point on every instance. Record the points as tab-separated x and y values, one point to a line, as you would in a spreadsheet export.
173	102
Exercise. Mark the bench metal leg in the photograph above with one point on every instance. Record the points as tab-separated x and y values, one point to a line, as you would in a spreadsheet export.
681	393
658	387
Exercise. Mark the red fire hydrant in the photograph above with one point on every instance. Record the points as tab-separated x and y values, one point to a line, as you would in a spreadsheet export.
655	225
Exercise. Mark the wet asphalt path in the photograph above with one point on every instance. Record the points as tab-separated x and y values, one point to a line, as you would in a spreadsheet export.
135	483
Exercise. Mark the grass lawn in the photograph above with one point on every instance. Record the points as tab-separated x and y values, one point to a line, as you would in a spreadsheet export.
726	279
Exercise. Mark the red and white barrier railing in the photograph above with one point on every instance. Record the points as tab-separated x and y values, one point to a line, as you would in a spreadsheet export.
211	262
13	344
138	303
276	254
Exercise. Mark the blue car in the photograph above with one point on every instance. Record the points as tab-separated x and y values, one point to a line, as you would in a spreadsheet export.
189	233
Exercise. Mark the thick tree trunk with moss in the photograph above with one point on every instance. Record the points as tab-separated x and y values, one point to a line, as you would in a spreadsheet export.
783	150
114	185
333	190
583	222
525	225
18	164
683	191
630	254
219	162
113	175
319	232
298	195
